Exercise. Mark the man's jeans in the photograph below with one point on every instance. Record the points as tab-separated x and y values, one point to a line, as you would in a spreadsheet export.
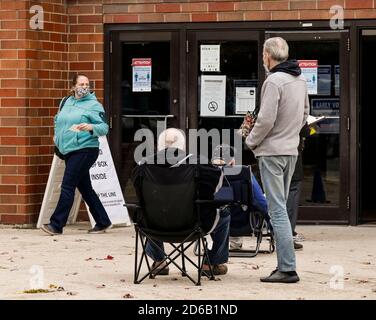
76	175
220	236
276	173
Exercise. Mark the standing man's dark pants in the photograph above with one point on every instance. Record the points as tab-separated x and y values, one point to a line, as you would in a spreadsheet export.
76	175
293	203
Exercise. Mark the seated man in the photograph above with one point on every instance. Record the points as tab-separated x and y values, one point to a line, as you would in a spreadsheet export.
171	152
224	155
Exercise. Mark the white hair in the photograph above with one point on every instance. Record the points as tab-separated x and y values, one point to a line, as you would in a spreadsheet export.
278	48
171	138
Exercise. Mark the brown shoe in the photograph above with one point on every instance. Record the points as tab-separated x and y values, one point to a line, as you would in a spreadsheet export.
218	269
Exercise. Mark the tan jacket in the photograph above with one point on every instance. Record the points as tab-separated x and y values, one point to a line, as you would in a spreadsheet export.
283	112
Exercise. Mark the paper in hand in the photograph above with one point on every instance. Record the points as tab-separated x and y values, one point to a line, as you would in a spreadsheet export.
312	119
74	128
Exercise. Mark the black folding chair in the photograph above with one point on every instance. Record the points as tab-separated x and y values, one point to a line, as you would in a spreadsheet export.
245	219
169	211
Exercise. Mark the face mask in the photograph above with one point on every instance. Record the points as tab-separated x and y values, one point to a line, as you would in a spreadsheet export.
81	91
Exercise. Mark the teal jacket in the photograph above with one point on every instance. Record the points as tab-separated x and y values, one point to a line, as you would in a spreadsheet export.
76	111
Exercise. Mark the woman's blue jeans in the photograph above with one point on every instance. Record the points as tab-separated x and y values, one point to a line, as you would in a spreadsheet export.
76	175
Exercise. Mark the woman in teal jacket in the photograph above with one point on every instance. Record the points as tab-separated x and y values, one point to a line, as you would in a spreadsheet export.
78	124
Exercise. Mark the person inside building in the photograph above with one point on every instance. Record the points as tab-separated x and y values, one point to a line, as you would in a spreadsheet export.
274	141
172	151
78	124
295	188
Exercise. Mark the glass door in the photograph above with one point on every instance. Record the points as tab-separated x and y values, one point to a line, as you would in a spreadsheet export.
324	61
145	90
223	80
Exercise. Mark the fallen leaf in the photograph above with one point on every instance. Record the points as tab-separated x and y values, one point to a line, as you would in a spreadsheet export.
52	286
366	262
122	280
72	293
363	281
88	259
37	291
154	285
101	286
128	296
109	257
255	267
60	289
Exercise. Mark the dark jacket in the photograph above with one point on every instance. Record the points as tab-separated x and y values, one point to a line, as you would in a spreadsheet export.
209	177
298	173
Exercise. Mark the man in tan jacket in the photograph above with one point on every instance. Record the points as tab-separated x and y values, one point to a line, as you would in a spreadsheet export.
274	140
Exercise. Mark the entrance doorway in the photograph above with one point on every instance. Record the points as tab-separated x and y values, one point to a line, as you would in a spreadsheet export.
367	133
324	192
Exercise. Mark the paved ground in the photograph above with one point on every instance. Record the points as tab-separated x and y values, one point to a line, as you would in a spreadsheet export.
336	263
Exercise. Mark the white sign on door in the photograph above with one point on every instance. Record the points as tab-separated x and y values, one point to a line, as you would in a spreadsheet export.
309	70
210	57
213	96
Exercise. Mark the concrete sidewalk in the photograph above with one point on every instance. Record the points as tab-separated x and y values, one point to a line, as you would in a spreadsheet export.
337	262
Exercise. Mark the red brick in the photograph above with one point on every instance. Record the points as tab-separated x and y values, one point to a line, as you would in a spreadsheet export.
285	15
221	6
177	17
327	4
125	18
140	8
305	5
230	16
167	8
193	7
256	16
151	17
247	6
8	189
358	4
204	17
7	208
8	150
90	19
15	219
275	5
8	131
363	14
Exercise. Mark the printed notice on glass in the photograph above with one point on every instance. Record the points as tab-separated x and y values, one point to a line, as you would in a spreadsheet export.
336	79
324	80
309	71
213	96
245	99
141	74
210	57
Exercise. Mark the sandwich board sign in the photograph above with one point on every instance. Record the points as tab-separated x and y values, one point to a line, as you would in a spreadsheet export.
104	181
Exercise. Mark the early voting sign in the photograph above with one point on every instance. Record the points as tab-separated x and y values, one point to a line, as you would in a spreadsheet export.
104	181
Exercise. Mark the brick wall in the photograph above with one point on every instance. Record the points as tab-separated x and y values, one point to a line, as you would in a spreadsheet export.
33	72
35	66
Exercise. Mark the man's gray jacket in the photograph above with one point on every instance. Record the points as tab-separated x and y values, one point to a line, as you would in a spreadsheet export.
283	112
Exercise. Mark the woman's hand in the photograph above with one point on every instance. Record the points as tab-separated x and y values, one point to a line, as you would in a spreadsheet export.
85	127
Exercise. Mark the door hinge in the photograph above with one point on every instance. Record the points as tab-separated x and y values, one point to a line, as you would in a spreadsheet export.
348	123
186	122
348	45
110	125
187	46
348	202
110	46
